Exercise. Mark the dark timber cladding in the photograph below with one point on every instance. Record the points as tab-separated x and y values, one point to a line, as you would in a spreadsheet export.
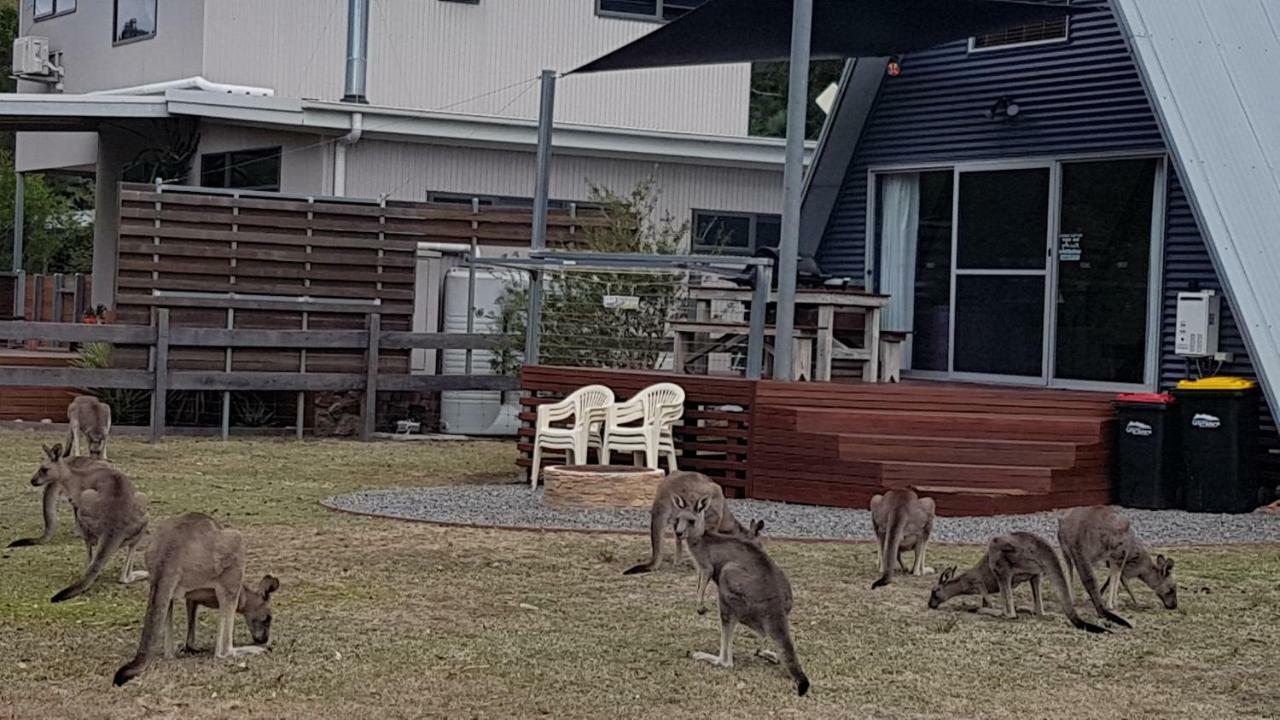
350	258
977	449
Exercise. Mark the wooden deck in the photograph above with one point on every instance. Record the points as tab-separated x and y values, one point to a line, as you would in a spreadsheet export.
977	449
33	404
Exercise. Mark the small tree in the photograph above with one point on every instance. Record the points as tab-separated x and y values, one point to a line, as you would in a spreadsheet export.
593	318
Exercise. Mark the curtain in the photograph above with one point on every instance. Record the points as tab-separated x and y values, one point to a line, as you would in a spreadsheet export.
899	226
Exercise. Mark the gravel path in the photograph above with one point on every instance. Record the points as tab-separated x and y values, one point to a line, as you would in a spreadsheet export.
517	506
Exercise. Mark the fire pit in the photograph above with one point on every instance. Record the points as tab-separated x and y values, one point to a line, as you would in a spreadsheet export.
589	486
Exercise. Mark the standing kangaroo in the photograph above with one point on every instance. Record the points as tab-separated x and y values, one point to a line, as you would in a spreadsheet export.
192	553
902	521
109	513
1023	553
680	491
752	590
53	491
90	419
1089	535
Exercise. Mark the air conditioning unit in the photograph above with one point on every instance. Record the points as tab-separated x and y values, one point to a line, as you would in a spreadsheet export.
32	60
1198	320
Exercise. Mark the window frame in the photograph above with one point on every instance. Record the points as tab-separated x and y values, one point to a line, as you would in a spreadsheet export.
656	17
115	21
56	12
271	151
753	234
1066	36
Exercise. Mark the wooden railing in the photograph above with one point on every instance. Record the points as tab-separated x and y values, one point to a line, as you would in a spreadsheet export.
159	338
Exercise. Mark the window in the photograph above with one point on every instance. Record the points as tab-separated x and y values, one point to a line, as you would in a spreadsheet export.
735	233
44	9
1037	33
243	170
660	10
463	2
134	20
500	201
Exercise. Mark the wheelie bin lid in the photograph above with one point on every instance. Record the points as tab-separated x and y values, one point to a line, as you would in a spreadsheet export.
1217	383
1150	398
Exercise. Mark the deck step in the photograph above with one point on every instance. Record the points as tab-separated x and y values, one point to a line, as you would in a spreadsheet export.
900	474
997	451
953	425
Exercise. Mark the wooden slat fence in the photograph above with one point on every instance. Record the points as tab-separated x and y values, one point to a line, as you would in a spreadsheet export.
161	375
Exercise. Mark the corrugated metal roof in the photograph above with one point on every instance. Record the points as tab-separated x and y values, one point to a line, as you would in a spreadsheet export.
1210	69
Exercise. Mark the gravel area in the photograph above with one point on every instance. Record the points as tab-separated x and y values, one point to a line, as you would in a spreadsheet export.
517	506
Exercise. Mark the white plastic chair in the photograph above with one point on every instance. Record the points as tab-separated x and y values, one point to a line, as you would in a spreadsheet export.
586	406
657	409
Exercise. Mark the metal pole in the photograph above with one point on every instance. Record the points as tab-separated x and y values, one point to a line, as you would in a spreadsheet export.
759	309
357	51
546	114
792	187
471	296
19	227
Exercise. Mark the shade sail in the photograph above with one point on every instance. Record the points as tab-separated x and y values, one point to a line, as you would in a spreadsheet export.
735	31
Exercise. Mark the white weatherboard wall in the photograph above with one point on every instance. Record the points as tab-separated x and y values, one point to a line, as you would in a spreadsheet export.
409	171
1210	69
434	55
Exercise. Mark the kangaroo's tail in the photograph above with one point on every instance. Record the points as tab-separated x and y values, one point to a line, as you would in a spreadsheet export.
107	547
50	518
1063	590
1090	582
780	633
889	549
657	526
163	586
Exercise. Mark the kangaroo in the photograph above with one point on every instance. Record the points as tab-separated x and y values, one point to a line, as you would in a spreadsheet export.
1023	553
54	491
109	513
189	553
1092	534
902	521
978	580
254	605
89	418
752	590
679	491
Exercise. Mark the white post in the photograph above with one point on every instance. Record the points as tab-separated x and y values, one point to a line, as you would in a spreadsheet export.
792	187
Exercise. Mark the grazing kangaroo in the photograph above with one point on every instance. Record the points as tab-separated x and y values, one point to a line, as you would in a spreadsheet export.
89	418
751	588
254	605
52	491
902	521
1089	535
191	552
680	491
1023	553
109	513
978	580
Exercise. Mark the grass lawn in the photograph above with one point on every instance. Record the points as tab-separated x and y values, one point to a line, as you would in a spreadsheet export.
386	619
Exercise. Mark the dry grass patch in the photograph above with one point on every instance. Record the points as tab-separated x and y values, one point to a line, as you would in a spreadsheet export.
391	619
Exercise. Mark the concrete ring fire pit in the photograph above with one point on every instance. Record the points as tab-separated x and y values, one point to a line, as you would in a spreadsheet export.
587	486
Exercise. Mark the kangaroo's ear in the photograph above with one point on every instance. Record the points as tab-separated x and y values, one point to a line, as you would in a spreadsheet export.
55	452
1164	565
947	574
267	585
756	527
678	501
48	452
701	504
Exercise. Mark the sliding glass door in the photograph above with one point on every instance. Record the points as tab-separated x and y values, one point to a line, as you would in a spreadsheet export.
1034	273
1001	273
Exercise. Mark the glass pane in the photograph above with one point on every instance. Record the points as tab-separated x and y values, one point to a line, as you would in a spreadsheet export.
672	9
768	231
630	7
999	324
135	19
256	169
931	315
1104	256
213	170
1004	219
43	8
722	231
